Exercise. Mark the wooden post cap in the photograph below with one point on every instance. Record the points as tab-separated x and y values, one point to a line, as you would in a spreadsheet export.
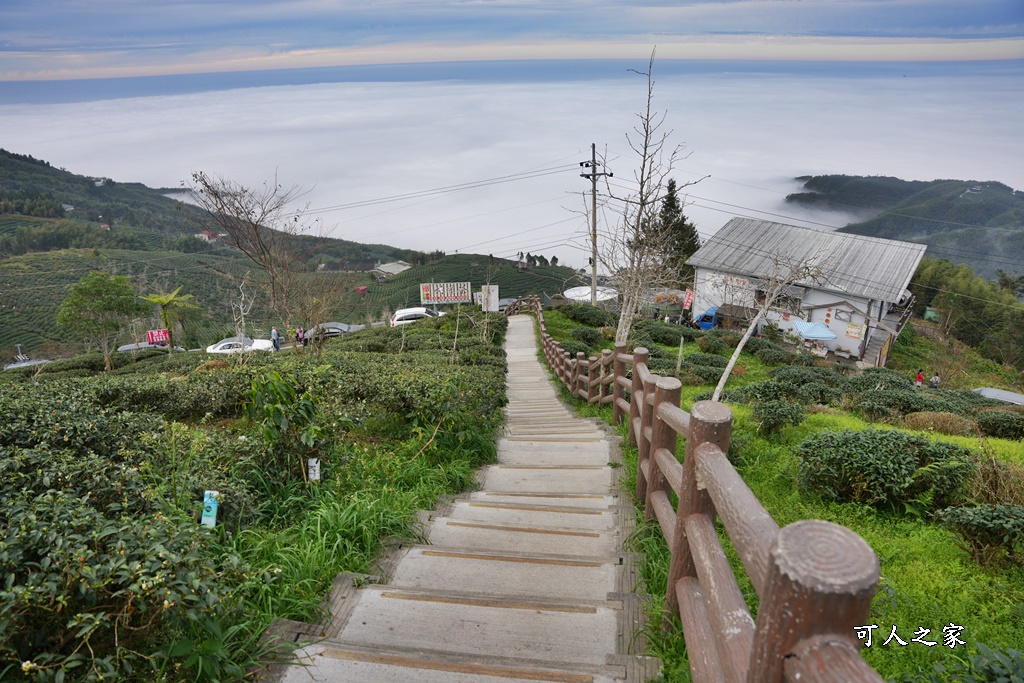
668	384
711	412
825	558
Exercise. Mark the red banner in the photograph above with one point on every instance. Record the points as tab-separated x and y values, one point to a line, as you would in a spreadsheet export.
688	299
158	336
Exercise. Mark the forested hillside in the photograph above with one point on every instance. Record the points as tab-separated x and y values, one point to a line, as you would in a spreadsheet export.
980	224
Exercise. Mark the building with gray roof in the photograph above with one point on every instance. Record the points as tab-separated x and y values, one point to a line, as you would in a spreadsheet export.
859	292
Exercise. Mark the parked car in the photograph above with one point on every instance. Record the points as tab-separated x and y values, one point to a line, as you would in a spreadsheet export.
142	346
240	345
323	330
404	316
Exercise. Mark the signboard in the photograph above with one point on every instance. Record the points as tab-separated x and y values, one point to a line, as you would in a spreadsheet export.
158	336
688	299
445	293
313	467
855	331
489	295
210	503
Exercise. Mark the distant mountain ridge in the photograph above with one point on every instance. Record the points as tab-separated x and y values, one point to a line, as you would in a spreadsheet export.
977	223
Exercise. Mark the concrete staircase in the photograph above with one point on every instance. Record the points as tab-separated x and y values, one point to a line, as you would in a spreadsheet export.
524	579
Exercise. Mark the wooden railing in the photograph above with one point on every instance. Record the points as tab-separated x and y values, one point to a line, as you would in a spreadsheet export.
814	579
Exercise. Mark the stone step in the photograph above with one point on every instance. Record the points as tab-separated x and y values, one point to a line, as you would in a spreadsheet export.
522	538
532	514
580	500
547	479
336	662
542	630
507	574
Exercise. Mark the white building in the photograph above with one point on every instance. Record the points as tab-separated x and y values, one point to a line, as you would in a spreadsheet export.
861	293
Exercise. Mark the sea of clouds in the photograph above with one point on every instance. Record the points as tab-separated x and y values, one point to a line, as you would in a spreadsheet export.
748	134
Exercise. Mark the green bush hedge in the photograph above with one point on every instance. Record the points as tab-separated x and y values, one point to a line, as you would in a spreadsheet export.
772	416
1002	425
883	467
589	315
991	533
587	335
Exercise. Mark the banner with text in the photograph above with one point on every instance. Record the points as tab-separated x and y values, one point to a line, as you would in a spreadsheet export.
445	293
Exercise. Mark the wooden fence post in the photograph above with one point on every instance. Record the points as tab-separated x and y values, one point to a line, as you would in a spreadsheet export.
639	358
710	422
644	462
618	370
820	581
667	390
592	373
605	372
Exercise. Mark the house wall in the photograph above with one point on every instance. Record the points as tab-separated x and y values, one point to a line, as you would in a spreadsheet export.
842	313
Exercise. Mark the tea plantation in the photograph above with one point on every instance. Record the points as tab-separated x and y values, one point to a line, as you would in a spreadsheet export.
933	480
108	573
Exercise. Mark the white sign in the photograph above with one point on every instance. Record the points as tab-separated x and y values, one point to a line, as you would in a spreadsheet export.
314	469
211	500
489	294
445	293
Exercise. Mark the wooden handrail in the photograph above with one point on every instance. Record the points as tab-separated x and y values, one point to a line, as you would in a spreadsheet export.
814	579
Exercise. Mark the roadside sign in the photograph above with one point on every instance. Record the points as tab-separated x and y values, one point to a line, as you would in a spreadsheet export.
313	469
158	336
445	293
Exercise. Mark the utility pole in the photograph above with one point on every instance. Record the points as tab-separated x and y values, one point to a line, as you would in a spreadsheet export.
592	174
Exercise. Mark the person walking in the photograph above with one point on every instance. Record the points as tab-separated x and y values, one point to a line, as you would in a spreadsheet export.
275	337
919	380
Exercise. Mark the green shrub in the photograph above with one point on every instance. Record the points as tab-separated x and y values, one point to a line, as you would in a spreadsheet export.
883	467
660	332
991	533
774	355
708	359
880	379
710	344
586	314
587	335
804	375
772	416
574	347
1002	425
990	665
707	373
940	422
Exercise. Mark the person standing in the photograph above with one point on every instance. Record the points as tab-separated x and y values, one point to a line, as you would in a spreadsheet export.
934	382
919	380
275	337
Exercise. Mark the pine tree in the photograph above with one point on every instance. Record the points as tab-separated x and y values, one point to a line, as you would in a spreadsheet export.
684	239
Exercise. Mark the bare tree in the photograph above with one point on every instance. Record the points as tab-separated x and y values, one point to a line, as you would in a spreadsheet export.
260	224
771	292
638	250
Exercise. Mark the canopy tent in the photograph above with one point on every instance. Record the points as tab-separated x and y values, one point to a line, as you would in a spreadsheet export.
813	330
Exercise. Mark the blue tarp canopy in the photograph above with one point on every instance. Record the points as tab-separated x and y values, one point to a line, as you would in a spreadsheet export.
813	330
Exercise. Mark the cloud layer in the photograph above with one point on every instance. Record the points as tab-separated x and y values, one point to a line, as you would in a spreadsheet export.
353	143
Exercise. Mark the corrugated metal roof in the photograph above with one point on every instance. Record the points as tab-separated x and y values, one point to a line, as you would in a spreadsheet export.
868	267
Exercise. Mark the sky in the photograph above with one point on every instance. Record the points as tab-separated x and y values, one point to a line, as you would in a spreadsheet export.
461	125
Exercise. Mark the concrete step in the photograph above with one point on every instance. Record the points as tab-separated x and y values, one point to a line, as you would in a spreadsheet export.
445	532
347	663
532	514
547	479
507	574
541	630
577	500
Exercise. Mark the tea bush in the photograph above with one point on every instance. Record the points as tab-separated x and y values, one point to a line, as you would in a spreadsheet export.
990	665
943	423
660	332
573	347
772	416
991	533
707	359
587	335
774	355
1002	425
883	467
589	315
710	344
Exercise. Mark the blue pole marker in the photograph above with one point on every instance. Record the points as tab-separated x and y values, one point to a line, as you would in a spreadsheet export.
211	500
